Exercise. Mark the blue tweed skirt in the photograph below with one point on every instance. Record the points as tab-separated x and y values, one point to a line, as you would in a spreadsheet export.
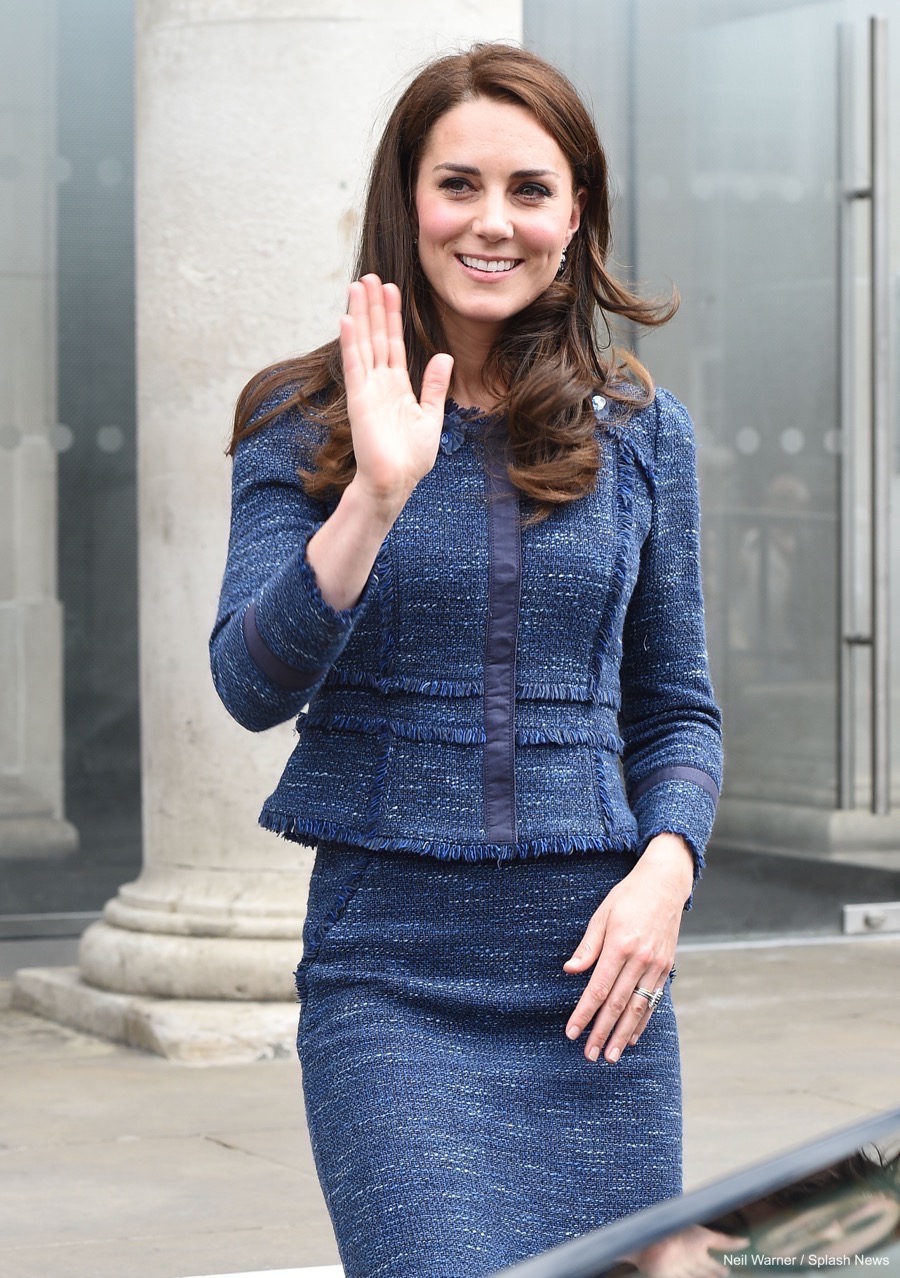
455	1129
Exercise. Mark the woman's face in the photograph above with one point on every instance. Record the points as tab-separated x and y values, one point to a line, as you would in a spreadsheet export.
495	207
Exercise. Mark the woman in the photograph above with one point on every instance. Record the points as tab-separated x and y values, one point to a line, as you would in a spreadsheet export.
466	601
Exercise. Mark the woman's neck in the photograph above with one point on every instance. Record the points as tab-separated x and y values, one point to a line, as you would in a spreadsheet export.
470	351
471	395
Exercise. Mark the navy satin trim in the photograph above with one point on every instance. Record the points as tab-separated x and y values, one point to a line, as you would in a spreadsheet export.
277	670
695	775
505	577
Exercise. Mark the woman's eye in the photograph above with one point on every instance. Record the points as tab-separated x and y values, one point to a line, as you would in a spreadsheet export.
534	191
455	185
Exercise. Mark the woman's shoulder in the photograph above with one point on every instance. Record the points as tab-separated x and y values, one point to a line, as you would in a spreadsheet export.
671	413
282	421
629	411
281	436
652	430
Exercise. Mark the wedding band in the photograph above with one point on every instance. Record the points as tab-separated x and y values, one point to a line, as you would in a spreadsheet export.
653	997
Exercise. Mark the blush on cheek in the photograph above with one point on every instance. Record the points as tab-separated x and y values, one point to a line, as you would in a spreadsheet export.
437	225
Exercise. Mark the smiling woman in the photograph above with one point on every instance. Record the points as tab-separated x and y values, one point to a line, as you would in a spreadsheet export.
493	225
486	612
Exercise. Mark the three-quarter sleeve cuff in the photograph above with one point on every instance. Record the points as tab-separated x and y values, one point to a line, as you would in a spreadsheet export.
277	670
676	800
292	634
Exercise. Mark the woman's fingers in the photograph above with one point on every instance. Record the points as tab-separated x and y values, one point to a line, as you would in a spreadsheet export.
436	384
394	318
598	992
358	311
375	331
377	319
624	1016
354	372
609	1004
611	1007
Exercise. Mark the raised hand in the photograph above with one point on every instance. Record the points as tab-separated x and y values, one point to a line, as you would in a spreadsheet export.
395	436
395	440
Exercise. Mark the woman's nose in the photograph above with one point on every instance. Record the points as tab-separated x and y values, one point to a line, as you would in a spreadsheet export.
492	219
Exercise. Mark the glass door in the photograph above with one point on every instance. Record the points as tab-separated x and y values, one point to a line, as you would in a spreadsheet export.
735	169
749	147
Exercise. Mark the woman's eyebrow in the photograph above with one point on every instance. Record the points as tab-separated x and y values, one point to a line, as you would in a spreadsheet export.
471	171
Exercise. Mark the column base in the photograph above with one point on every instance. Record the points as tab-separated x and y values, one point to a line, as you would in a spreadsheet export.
33	837
188	1031
170	966
852	837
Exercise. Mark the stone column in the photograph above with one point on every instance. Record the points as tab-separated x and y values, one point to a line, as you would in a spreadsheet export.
31	659
254	121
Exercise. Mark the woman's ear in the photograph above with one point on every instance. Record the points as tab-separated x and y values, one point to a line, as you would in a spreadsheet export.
579	201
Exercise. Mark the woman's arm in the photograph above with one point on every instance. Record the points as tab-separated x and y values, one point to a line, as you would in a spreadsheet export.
672	759
295	584
670	722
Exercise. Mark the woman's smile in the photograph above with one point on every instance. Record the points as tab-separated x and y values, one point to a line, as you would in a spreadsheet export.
489	266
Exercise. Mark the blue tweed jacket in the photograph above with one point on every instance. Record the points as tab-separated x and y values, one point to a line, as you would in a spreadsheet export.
497	691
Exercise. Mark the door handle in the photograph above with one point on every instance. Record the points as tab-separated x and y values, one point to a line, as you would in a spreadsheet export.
877	638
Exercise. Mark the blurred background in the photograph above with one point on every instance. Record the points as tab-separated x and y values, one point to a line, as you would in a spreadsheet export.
755	147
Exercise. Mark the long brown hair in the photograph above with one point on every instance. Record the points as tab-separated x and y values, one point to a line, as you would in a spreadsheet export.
548	360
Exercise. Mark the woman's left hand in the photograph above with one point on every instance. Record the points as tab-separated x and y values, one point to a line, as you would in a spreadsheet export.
631	939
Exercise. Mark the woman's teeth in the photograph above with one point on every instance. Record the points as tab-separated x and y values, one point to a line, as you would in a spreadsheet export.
482	264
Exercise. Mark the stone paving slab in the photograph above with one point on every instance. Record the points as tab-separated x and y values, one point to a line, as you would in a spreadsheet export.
116	1162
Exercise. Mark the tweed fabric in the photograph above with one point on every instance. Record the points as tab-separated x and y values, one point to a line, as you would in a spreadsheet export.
455	1128
607	684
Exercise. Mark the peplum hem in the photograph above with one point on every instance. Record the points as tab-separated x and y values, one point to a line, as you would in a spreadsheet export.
312	831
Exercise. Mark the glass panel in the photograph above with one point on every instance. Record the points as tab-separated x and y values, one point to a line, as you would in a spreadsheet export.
69	736
736	150
893	9
97	474
727	167
834	1201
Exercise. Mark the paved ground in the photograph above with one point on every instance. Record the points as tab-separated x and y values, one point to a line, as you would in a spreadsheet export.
117	1164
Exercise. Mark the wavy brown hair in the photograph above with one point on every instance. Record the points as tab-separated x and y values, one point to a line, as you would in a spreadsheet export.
548	360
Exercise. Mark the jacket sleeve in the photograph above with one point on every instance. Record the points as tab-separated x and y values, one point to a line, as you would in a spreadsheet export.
670	722
275	637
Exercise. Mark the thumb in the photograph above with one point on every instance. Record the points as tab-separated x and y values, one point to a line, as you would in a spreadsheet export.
436	383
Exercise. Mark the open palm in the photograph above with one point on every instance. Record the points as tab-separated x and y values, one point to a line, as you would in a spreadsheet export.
395	436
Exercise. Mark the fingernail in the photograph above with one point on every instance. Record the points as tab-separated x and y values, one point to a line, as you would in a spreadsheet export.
572	1031
613	1055
594	1053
